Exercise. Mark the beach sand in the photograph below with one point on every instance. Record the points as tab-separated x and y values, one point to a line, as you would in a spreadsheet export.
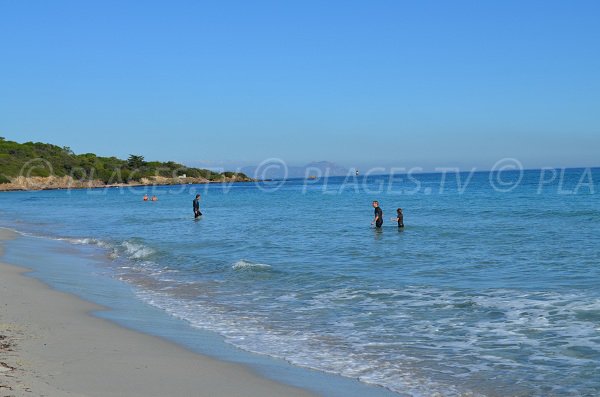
50	345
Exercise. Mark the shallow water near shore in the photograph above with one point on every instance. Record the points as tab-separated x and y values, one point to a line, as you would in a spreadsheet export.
81	271
484	293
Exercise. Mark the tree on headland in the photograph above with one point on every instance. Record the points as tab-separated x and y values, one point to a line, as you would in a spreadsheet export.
135	161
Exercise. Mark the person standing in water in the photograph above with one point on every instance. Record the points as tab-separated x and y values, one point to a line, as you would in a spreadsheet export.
378	220
196	206
400	218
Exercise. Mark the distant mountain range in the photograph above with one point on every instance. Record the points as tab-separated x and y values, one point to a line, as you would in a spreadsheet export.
276	170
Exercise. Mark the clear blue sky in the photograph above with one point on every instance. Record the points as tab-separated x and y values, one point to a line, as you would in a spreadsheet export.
430	83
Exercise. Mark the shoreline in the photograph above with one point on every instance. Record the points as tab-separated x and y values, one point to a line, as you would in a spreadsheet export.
51	344
93	186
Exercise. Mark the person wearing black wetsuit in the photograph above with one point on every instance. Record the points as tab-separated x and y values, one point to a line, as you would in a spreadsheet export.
400	218
378	220
196	206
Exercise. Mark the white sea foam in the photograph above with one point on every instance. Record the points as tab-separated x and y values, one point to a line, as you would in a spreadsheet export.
246	265
135	250
407	344
71	240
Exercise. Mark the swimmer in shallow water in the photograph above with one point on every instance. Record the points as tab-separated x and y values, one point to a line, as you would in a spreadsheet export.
400	218
378	220
196	207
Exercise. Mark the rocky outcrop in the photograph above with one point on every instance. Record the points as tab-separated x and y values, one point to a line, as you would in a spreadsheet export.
68	182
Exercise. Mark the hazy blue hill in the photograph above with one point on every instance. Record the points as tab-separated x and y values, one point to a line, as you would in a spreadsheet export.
315	169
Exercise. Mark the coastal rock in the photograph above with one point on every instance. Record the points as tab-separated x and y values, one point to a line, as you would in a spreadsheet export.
68	182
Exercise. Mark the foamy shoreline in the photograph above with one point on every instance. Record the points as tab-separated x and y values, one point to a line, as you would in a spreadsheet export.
50	345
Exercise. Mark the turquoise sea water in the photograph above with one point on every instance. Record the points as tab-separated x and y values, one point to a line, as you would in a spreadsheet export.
492	289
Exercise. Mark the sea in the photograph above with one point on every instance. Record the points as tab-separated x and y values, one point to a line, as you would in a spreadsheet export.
492	288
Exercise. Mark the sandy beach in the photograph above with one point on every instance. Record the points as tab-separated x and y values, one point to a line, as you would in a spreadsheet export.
50	345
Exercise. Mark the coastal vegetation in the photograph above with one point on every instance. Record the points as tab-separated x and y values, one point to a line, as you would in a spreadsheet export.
43	160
